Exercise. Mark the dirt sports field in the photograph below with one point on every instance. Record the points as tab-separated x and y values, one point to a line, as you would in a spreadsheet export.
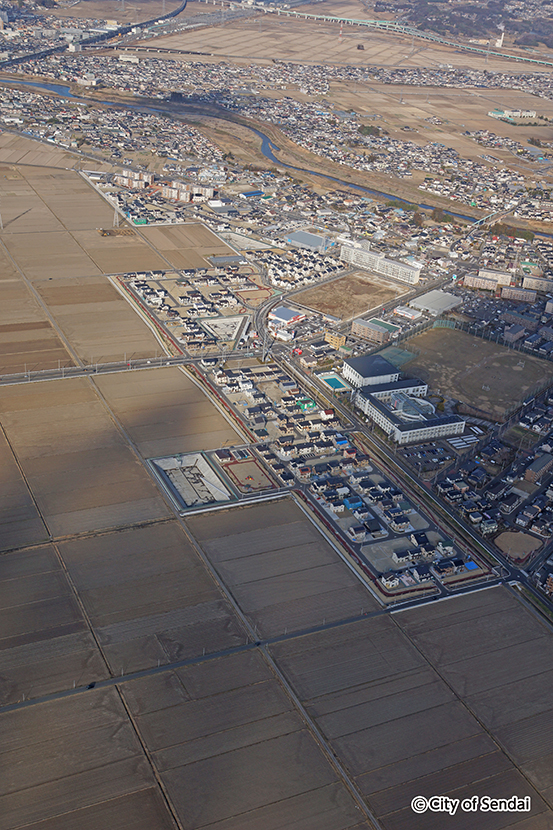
248	476
350	296
517	545
488	376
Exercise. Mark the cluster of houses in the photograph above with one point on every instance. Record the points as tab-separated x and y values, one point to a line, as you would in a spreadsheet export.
490	506
297	267
180	303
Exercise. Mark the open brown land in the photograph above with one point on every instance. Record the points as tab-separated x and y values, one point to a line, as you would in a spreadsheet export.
164	412
20	521
97	321
447	698
149	598
488	376
234	753
352	295
77	762
121	253
27	336
459	110
15	149
187	246
272	37
113	10
81	472
397	701
280	571
50	238
45	641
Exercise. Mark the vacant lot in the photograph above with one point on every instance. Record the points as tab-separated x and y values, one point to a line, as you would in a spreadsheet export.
164	412
517	545
351	296
281	571
485	375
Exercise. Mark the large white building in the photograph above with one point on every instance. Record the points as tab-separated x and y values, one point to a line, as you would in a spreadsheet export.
358	254
369	369
400	410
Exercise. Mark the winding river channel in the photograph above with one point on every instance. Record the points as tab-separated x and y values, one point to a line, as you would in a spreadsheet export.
268	147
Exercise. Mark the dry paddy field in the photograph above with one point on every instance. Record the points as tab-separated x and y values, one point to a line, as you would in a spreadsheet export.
451	698
113	10
81	472
281	572
14	149
53	261
148	597
351	296
27	336
20	521
272	37
458	109
488	376
97	321
165	412
187	246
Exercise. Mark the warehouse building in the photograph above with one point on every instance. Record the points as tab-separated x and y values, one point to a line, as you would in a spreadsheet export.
436	302
310	241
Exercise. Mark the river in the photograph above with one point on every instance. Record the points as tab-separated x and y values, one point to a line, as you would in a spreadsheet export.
267	146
